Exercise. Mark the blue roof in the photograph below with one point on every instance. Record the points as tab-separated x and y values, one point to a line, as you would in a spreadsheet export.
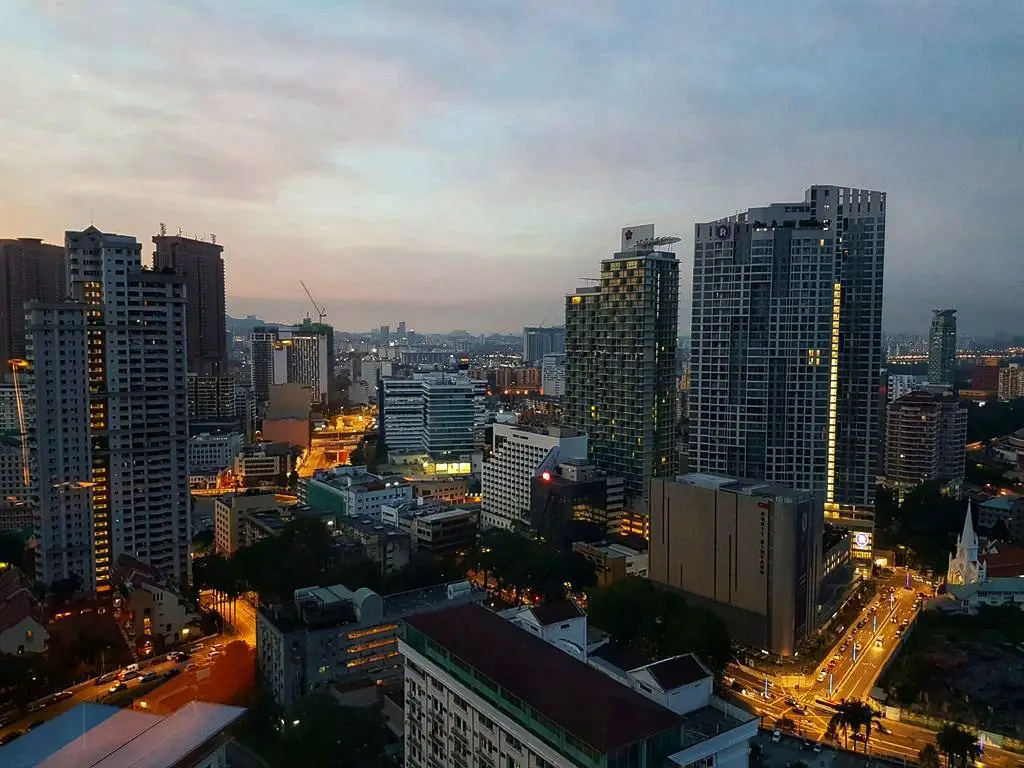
52	736
1001	502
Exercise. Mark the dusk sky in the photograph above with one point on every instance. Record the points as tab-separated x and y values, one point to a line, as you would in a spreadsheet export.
462	163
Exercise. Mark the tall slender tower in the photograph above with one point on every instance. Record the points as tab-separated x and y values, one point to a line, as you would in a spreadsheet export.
787	347
201	264
942	347
30	270
136	362
620	360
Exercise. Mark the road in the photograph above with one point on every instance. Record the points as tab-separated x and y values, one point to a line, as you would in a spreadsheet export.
850	678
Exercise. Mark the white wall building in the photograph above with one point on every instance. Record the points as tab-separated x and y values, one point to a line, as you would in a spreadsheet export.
552	374
212	453
480	689
59	436
1011	382
517	456
432	412
901	384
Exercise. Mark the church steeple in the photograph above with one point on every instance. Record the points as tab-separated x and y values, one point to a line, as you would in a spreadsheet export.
969	539
964	567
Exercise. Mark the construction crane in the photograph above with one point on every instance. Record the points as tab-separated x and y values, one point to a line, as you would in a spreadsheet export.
319	310
16	366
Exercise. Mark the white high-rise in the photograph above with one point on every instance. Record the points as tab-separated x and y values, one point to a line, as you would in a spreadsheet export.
518	455
437	413
552	374
58	423
137	428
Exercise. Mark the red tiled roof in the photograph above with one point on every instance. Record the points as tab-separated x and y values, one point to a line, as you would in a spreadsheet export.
16	601
1008	560
586	703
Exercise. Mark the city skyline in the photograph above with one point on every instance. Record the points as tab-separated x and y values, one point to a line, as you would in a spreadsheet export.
503	146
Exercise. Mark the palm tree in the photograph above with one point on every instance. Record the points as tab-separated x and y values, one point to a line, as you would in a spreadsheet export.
928	757
853	716
958	744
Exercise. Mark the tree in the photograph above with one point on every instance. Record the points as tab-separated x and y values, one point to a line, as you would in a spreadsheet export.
958	744
61	590
928	757
659	623
853	716
12	549
327	734
1000	532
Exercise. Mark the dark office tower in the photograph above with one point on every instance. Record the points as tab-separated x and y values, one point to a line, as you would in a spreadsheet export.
30	270
620	360
786	347
202	266
262	342
541	341
942	347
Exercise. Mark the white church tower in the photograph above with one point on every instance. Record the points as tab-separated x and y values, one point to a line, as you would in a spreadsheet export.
964	567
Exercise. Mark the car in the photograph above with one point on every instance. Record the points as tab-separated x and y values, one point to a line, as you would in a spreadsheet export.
7	738
145	677
822	675
791	701
172	672
63	695
776	736
35	724
883	729
807	744
107	678
817	748
120	685
894	620
800	709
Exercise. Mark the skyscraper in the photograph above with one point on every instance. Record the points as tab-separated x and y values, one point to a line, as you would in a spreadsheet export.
138	417
201	265
262	342
925	438
620	360
540	341
30	270
787	347
942	347
310	361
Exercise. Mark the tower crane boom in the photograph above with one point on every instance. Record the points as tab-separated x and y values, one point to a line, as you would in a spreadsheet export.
321	312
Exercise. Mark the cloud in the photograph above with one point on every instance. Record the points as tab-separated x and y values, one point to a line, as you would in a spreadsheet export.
469	161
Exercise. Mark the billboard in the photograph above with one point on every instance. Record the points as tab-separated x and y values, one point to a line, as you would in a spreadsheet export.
862	543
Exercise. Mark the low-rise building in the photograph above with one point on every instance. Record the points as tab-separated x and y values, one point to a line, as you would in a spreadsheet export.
527	691
157	610
384	544
262	464
327	635
352	491
613	561
575	497
22	626
229	512
434	527
1011	382
210	453
256	526
452	490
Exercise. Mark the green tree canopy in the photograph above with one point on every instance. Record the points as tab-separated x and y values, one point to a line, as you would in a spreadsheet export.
928	757
320	733
959	745
659	623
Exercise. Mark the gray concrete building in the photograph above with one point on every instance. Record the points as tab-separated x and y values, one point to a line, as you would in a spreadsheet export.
748	551
620	360
942	347
786	347
326	636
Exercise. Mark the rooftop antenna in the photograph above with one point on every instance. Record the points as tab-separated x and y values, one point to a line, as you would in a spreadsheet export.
179	231
213	238
319	310
163	229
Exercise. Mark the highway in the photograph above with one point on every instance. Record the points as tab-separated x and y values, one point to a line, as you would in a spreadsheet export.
849	678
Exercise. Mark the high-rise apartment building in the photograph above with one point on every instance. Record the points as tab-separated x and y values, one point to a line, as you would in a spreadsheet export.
59	380
540	341
552	374
310	361
138	412
620	360
925	437
201	264
262	344
786	347
517	456
749	552
942	347
437	413
30	270
211	398
1011	382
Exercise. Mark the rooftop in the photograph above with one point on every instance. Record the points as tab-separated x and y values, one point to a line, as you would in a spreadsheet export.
1001	502
584	702
678	671
739	485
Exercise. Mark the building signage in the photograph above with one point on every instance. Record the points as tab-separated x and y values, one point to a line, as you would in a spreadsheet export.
862	544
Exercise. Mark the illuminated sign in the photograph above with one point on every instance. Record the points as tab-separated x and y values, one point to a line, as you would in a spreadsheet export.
862	544
762	505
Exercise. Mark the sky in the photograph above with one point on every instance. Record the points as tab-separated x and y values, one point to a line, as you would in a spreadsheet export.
463	163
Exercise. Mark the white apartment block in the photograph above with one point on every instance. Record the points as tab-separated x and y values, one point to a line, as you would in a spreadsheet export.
529	691
900	384
435	413
552	374
212	453
518	455
309	363
1011	382
60	440
138	402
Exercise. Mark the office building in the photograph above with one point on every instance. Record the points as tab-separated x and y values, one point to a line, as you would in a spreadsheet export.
518	455
1011	382
59	379
552	376
138	408
229	513
210	453
925	437
481	689
576	500
748	551
540	341
786	347
352	491
309	360
262	463
30	270
263	341
620	360
942	347
201	264
326	636
436	413
432	526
